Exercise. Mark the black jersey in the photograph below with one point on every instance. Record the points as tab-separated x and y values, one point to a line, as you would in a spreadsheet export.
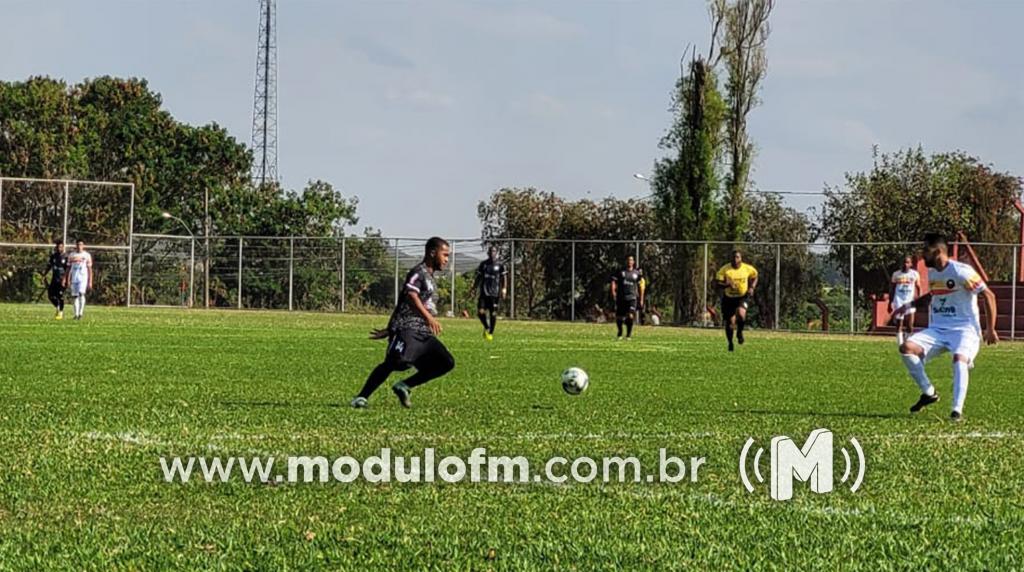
490	274
56	265
627	284
419	280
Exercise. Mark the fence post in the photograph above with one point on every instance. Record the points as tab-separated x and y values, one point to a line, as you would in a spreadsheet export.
453	278
636	258
66	203
291	271
704	303
1013	296
343	294
239	272
512	298
1	207
131	243
192	274
572	285
396	271
852	328
778	271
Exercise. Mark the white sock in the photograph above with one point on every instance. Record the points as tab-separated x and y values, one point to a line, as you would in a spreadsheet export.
916	369
960	375
900	337
81	311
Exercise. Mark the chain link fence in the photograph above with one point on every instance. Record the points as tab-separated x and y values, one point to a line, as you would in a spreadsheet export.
802	287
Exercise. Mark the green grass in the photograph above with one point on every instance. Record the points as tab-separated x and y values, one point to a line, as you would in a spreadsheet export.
87	409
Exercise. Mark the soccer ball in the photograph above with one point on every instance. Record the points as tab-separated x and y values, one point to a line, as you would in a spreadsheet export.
575	381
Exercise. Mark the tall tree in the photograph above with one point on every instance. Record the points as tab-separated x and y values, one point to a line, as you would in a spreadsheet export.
740	30
686	183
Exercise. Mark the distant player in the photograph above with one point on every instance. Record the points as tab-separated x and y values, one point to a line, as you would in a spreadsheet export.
954	324
738	281
905	289
79	276
55	267
492	279
628	296
412	331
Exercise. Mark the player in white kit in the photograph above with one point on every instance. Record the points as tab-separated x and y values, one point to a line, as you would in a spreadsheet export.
79	276
904	290
954	324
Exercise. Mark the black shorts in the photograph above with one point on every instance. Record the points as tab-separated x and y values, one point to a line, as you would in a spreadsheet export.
730	305
488	303
409	348
623	308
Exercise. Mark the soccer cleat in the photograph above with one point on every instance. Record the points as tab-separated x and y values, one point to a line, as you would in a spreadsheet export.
924	401
485	334
956	417
739	336
489	336
731	348
402	391
360	403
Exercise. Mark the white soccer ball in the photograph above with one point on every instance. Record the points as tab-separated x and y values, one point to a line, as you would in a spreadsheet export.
575	381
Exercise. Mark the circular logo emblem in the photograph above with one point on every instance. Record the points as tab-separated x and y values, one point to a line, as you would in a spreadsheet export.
950	284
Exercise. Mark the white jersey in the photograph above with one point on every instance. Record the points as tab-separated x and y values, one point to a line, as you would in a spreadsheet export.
80	263
903	284
955	291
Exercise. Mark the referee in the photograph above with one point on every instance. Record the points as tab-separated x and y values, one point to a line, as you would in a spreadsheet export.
738	281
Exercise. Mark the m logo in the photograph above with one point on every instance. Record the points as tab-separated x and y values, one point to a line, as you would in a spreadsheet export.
811	463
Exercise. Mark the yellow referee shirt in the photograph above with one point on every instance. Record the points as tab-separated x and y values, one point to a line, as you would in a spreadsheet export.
737	279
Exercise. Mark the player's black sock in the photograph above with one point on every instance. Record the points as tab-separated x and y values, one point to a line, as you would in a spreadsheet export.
629	328
618	323
431	367
377	377
739	329
494	320
483	318
60	306
728	334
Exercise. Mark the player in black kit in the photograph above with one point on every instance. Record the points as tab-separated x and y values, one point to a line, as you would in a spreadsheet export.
412	332
55	267
627	295
492	281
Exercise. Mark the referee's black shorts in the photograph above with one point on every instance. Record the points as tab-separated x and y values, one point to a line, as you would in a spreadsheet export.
422	350
730	305
625	308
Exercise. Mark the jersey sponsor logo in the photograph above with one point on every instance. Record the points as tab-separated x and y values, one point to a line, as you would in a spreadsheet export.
942	309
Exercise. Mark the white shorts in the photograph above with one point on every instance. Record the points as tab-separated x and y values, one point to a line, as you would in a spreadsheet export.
898	303
78	287
934	341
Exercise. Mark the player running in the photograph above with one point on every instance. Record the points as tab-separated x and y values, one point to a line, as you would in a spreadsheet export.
738	281
492	279
412	331
954	324
79	275
628	296
905	289
55	268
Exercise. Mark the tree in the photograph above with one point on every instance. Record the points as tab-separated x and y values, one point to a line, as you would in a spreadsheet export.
686	183
741	31
907	194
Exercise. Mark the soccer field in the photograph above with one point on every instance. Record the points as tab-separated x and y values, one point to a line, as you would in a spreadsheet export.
88	408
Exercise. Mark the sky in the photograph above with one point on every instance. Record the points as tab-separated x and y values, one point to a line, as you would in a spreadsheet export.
423	109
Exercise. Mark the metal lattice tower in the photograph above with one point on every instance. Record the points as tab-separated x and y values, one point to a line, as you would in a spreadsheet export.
264	113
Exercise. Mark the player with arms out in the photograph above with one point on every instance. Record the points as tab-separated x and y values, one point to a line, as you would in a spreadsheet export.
79	275
905	289
628	296
55	267
954	324
738	281
492	279
412	331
